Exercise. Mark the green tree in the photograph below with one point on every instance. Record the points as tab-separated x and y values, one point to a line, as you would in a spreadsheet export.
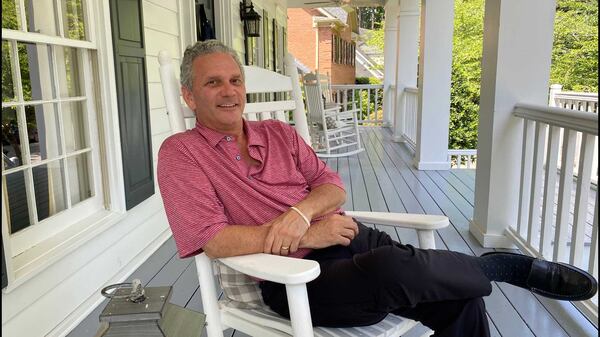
370	17
575	51
574	59
466	74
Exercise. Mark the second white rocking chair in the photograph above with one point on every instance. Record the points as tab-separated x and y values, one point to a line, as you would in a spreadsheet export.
334	131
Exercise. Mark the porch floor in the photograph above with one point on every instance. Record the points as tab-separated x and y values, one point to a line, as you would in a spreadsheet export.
382	178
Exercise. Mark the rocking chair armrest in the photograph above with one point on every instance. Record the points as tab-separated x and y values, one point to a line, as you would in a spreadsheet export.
332	111
274	268
406	220
344	113
339	112
353	110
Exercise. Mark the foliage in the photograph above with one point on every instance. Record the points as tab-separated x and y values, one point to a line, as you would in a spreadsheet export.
575	52
375	38
75	29
466	74
365	99
574	59
367	80
370	17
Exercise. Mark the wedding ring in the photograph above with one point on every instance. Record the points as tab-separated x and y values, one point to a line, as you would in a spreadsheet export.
285	248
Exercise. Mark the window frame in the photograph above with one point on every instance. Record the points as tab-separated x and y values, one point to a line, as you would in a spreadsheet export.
50	226
87	219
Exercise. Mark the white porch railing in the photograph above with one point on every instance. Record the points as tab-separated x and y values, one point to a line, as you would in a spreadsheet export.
367	97
558	217
582	101
461	159
409	120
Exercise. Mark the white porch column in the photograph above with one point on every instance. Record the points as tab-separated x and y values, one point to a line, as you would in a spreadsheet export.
407	51
435	67
390	58
517	48
300	122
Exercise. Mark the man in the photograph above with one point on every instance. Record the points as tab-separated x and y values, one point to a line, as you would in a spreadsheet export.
233	187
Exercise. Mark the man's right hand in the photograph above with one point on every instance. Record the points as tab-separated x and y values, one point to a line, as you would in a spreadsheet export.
334	230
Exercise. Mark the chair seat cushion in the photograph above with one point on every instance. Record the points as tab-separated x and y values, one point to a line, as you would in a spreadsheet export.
392	325
240	290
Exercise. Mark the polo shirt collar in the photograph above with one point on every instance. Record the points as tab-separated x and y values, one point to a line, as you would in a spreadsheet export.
214	137
254	137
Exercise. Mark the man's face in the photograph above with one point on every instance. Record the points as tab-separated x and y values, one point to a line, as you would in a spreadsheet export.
218	93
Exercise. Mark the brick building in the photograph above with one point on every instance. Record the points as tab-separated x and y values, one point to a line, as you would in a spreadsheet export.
323	40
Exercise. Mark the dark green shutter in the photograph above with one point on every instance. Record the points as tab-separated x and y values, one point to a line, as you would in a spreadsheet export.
132	93
4	276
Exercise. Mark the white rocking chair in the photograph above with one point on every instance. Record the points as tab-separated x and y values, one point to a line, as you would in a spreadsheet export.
333	130
292	272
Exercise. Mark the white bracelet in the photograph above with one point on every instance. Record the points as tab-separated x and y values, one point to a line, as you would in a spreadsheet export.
302	215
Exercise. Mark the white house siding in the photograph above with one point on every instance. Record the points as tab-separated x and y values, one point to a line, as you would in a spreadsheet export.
276	8
56	299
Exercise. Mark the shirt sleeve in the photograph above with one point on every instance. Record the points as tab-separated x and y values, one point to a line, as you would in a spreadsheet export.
314	170
194	211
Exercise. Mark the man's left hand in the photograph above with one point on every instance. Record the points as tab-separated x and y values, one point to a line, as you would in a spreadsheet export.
285	234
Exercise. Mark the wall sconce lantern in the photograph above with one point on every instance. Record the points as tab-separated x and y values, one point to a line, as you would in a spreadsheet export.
250	18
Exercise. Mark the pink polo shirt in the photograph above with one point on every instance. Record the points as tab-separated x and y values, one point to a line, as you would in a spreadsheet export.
206	185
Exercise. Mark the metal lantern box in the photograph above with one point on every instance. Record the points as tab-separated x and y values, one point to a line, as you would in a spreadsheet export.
147	313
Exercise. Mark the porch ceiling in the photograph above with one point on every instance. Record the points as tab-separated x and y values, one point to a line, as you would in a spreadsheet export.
334	3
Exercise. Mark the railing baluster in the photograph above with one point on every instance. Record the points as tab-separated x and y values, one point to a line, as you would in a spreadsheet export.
411	121
526	164
593	263
549	192
406	117
581	199
536	182
564	195
353	97
360	100
377	107
265	115
369	104
280	115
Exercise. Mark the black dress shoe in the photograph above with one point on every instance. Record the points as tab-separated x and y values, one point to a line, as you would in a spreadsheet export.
555	280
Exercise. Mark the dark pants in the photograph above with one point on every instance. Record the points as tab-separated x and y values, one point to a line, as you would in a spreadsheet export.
373	276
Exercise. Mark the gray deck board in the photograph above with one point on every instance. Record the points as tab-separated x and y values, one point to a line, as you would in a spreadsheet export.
344	172
382	178
454	236
360	199
375	194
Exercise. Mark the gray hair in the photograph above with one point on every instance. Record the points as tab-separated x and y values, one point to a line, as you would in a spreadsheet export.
203	48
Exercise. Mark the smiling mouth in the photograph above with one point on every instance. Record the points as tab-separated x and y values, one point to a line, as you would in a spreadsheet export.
227	106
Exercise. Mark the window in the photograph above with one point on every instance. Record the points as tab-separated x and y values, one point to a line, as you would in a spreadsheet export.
267	38
336	49
205	18
51	167
277	61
